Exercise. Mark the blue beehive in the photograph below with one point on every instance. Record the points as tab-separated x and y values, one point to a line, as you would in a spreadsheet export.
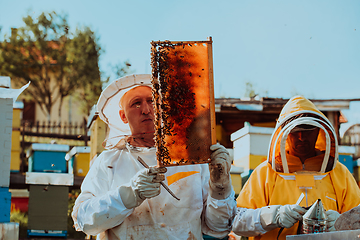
347	160
5	204
48	158
346	154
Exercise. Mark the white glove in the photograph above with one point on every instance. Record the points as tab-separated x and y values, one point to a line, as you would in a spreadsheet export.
145	184
220	182
276	216
331	217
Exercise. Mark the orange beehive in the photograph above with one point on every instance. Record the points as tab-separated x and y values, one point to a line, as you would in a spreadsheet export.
183	92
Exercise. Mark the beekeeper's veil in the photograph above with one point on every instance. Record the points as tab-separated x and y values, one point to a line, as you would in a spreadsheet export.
108	107
297	112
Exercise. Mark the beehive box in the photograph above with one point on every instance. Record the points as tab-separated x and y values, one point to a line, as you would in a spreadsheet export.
346	154
6	109
9	231
48	205
250	145
79	160
5	204
183	92
16	137
48	158
98	133
236	180
19	200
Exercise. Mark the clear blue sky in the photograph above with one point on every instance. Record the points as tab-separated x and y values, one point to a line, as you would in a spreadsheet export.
282	47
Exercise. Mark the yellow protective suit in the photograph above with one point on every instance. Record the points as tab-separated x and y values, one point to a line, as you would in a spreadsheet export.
282	178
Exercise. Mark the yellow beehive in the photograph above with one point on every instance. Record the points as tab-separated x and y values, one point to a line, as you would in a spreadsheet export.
98	133
236	181
79	160
16	138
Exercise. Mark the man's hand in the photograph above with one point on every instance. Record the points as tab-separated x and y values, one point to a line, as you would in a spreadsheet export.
276	216
145	184
288	215
331	217
220	183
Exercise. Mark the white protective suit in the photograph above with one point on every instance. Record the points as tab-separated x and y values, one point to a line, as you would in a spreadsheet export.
100	211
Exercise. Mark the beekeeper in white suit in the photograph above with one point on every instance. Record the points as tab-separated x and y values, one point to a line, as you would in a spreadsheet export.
121	199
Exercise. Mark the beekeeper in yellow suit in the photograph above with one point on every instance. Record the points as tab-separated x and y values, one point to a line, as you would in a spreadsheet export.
302	160
121	199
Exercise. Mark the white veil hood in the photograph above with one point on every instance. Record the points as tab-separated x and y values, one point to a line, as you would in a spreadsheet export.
108	106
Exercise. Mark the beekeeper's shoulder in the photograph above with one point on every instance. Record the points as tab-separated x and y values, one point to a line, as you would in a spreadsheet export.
262	170
107	157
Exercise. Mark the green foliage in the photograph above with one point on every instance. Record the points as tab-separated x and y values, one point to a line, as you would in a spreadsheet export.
22	219
249	90
122	69
57	62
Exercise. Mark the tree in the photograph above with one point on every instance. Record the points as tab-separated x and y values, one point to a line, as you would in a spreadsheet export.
122	69
56	61
249	90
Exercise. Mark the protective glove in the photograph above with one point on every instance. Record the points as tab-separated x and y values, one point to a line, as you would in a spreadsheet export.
145	184
331	217
276	216
220	182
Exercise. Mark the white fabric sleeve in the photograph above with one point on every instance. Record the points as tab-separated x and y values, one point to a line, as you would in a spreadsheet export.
217	215
247	222
97	208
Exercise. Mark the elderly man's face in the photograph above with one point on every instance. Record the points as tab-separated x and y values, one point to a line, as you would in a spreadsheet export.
302	143
138	110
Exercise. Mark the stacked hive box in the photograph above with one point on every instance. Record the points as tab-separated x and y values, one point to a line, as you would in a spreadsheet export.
6	106
250	145
49	190
8	230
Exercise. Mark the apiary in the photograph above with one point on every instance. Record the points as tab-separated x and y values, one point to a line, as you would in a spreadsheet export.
183	94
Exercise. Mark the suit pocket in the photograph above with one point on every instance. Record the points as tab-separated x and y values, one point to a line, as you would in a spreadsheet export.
330	202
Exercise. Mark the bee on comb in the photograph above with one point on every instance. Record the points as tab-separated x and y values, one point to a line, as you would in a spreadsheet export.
183	94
